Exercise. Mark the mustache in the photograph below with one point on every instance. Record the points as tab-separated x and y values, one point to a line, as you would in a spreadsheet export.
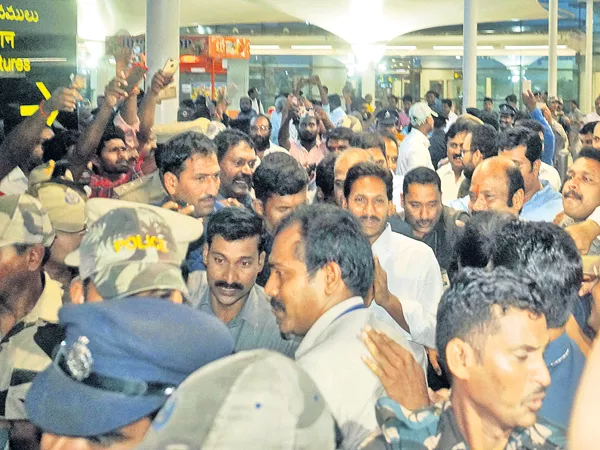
457	156
225	285
207	197
539	391
243	177
424	223
573	194
277	305
373	218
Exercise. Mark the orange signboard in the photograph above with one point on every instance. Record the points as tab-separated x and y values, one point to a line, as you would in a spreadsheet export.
218	47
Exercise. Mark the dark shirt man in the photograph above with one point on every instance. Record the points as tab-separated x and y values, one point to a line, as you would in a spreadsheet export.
280	185
429	221
437	149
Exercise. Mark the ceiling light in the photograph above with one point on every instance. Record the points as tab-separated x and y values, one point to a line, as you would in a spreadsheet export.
401	47
447	47
264	47
311	47
532	47
485	47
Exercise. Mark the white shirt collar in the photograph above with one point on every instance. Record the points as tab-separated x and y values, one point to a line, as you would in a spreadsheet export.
383	243
324	322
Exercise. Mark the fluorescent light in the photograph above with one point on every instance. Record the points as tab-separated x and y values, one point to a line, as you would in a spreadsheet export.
401	47
264	47
532	47
447	47
47	60
460	47
311	47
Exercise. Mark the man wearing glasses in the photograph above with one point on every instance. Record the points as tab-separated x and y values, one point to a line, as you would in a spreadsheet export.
260	132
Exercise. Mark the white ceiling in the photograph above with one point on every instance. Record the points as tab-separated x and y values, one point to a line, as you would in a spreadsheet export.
352	20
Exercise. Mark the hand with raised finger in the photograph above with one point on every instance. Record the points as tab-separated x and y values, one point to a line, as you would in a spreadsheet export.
231	202
62	99
400	374
529	100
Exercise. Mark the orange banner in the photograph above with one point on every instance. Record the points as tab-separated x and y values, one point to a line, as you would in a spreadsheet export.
228	47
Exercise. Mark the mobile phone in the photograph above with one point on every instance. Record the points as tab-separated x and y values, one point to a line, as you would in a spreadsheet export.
526	86
136	73
170	67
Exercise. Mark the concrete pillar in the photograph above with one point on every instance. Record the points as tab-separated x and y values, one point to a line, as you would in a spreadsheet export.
238	74
587	99
162	42
552	48
470	55
368	81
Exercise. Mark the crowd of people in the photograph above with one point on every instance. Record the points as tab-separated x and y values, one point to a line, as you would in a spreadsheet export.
335	275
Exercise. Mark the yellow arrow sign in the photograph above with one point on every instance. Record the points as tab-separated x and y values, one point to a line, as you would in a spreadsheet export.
30	110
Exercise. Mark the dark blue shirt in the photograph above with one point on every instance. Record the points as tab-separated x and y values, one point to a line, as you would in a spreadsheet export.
565	362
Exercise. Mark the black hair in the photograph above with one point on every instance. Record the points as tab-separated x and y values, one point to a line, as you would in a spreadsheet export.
334	101
278	174
331	234
235	224
589	153
468	310
439	121
488	117
252	90
588	128
369	169
447	102
485	139
421	175
255	118
366	140
512	98
109	134
542	251
431	92
530	124
387	134
171	156
57	148
230	138
575	102
516	136
407	98
474	246
515	182
325	175
340	134
488	99
460	126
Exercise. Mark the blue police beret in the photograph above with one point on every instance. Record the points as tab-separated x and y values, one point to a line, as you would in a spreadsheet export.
120	361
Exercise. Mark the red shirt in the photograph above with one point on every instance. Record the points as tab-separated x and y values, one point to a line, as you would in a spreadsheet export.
103	187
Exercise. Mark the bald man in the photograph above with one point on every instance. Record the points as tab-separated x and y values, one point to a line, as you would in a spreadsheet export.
344	163
497	185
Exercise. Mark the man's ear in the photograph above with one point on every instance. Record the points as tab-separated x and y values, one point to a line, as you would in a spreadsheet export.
35	257
460	358
537	166
344	203
259	208
261	261
171	183
518	199
76	291
333	277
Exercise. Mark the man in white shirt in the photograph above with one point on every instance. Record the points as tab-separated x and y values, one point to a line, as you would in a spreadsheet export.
414	150
413	281
260	131
256	103
451	174
447	110
321	270
594	116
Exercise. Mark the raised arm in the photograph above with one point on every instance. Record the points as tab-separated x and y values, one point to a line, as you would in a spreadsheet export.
536	114
148	106
284	130
20	142
89	140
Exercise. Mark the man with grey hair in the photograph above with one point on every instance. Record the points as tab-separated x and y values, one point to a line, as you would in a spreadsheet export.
414	150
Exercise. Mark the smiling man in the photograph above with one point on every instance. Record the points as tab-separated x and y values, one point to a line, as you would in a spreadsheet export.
234	256
237	158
